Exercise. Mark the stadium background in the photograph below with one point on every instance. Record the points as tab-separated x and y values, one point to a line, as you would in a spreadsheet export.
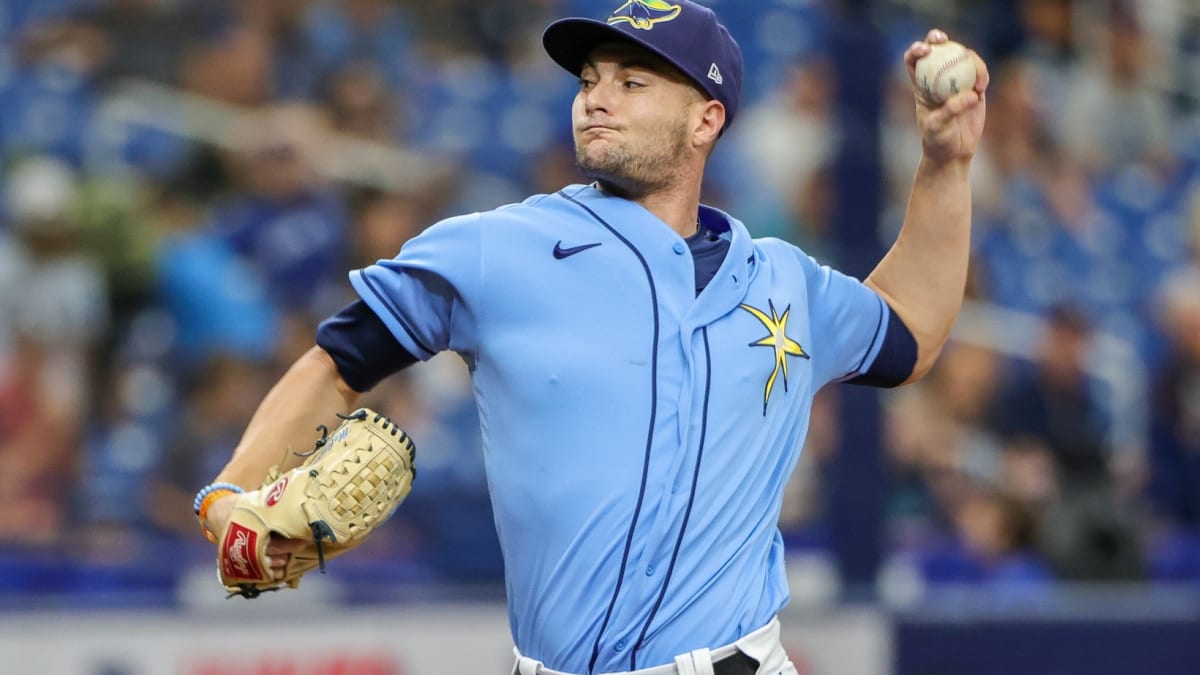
184	184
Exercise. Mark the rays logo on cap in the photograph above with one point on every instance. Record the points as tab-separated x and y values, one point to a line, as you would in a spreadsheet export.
643	14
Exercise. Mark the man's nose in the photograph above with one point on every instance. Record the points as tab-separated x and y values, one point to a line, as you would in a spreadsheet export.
598	97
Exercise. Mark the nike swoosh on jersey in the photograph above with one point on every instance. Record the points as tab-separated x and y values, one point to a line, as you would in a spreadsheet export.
560	252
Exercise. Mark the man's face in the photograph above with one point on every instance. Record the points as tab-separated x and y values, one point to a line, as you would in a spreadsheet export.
632	118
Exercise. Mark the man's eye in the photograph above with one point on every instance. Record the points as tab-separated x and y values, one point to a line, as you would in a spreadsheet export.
585	83
633	84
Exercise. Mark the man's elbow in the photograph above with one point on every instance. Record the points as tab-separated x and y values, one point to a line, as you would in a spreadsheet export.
928	352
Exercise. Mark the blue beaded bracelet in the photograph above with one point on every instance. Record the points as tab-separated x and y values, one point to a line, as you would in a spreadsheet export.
209	489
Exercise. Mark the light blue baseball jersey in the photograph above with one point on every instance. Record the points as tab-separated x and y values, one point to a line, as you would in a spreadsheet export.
637	438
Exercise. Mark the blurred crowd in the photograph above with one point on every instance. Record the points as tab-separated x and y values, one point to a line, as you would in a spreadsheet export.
185	183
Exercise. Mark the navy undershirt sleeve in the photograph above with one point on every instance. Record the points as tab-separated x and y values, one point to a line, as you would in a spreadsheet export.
362	347
897	356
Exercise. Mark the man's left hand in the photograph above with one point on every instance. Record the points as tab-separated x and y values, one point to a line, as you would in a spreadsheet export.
949	132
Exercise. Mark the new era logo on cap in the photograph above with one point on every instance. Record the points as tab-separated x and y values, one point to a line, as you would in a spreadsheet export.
714	74
686	34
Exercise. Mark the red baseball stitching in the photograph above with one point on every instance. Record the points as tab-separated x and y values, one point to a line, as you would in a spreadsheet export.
945	66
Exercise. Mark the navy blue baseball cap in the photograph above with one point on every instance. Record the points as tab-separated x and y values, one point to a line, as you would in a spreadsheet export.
686	34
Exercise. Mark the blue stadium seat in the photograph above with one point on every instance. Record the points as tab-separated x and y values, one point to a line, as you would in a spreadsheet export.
1175	557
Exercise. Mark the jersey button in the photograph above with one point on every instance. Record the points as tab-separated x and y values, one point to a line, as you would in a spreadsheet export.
650	571
679	248
619	646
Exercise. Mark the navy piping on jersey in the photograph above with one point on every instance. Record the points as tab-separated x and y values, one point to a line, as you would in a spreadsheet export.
649	433
396	314
687	514
871	347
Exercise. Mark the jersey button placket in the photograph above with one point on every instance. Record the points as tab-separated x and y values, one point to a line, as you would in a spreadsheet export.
620	646
680	248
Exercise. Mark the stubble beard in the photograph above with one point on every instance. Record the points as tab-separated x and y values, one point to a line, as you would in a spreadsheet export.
624	172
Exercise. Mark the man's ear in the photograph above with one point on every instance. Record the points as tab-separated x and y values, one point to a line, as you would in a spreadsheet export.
709	124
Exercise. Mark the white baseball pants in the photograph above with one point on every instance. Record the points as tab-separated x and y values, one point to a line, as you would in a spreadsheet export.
762	645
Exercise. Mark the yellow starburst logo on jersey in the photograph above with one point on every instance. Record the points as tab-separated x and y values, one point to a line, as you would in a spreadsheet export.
777	340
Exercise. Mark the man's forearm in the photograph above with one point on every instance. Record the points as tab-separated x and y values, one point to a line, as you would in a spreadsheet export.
924	275
310	393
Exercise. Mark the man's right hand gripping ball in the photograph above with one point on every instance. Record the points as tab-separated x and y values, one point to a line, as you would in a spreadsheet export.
349	484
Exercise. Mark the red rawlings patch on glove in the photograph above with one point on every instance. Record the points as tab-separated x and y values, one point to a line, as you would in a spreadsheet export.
238	558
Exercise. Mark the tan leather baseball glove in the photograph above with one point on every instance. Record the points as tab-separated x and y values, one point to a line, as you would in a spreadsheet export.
349	484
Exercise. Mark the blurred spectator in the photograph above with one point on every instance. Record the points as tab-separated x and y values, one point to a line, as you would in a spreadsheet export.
787	141
212	300
113	215
233	65
361	104
1052	406
59	297
295	67
286	223
1175	426
1029	472
216	301
53	312
383	222
42	403
1112	116
1015	142
999	534
938	445
1050	46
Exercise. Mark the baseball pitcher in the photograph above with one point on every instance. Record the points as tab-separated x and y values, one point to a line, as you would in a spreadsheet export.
643	368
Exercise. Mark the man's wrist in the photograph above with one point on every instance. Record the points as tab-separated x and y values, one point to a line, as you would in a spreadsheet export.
952	167
206	497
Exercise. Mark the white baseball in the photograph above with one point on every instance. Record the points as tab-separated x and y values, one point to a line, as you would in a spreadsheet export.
946	70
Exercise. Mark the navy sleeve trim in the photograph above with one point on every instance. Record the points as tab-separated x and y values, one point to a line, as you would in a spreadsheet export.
896	359
362	347
387	303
